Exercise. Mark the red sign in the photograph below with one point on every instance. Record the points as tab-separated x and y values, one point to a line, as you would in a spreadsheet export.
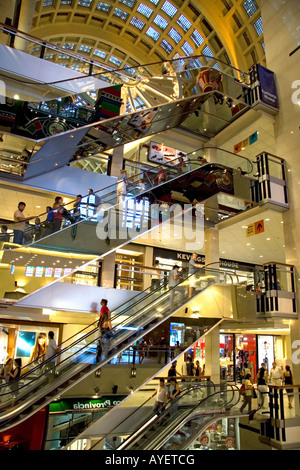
204	440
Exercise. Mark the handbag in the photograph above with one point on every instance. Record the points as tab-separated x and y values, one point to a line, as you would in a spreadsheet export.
254	394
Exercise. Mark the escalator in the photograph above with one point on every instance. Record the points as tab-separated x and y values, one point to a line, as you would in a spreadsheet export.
218	191
78	356
185	418
201	100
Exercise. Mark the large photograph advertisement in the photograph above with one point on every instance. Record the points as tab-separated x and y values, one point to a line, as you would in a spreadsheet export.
265	349
160	153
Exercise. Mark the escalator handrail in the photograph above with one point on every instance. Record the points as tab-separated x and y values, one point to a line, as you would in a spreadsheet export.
16	32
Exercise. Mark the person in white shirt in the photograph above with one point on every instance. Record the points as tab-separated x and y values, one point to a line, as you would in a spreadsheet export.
275	375
161	396
156	277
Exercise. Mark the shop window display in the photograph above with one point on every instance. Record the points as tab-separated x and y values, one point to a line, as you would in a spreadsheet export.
227	357
245	353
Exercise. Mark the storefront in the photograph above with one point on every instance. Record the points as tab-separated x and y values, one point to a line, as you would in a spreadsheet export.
24	341
223	434
236	349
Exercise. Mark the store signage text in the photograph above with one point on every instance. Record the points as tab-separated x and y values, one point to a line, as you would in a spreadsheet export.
93	405
2	92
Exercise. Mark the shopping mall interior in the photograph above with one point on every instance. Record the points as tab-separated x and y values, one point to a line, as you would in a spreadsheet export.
148	157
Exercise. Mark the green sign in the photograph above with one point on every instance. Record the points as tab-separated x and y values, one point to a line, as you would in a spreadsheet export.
85	404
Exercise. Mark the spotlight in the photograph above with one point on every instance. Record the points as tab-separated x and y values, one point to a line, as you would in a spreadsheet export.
133	372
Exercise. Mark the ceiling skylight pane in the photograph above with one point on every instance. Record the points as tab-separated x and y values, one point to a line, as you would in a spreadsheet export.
166	46
258	26
169	9
184	23
137	23
207	51
187	49
144	10
251	7
120	13
160	21
153	33
175	35
103	7
197	38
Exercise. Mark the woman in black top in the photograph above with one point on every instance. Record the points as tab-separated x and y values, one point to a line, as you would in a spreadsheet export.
14	374
288	380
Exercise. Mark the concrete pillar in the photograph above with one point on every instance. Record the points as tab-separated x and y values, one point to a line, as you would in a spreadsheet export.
211	245
25	23
284	17
148	261
212	355
108	270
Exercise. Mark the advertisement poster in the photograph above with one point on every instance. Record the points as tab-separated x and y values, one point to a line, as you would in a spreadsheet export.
265	348
142	121
159	153
25	343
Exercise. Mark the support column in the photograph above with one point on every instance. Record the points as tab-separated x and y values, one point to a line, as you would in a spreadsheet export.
211	245
108	270
25	22
117	161
212	355
286	133
148	261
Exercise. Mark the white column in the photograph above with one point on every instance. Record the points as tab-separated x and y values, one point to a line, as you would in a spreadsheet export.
108	270
212	355
117	160
211	245
281	33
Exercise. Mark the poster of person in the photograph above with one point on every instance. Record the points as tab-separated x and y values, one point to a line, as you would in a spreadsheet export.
160	153
265	350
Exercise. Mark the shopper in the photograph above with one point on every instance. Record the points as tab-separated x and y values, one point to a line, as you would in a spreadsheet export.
4	236
173	392
93	202
52	349
76	208
198	370
20	224
262	386
48	224
161	397
156	277
174	279
275	375
247	393
57	213
122	186
14	374
193	267
162	350
104	325
190	367
162	175
287	379
172	372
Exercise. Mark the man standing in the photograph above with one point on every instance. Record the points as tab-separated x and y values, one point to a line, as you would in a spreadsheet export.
20	224
161	398
174	279
105	327
275	375
52	349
